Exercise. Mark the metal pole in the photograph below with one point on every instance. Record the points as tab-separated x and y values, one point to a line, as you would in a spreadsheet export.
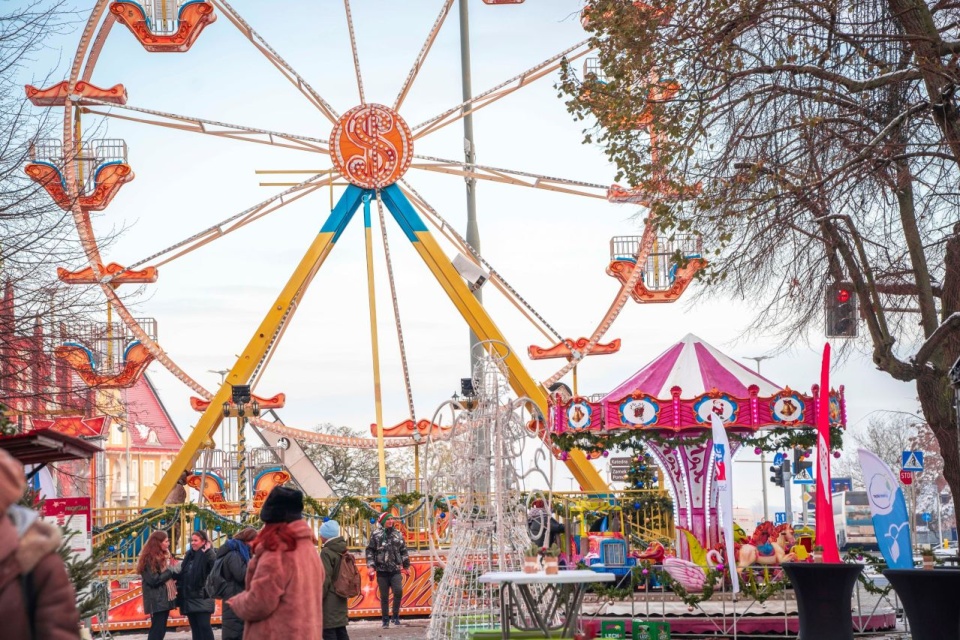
473	231
763	483
469	154
763	454
787	479
242	466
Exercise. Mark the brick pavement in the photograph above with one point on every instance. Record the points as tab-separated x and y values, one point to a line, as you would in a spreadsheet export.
415	629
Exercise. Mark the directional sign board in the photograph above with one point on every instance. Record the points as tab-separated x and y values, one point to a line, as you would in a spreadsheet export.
912	461
804	477
780	517
619	468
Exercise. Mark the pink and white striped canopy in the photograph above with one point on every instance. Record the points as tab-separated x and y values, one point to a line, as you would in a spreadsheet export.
697	368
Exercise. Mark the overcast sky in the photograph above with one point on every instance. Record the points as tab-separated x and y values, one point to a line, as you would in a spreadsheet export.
552	248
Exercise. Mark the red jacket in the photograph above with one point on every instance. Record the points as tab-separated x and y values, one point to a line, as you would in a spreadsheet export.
283	599
34	548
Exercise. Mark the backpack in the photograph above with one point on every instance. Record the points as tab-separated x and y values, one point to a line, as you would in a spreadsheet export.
346	583
216	584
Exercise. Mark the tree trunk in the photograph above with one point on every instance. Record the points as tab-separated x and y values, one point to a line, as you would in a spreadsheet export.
923	38
936	400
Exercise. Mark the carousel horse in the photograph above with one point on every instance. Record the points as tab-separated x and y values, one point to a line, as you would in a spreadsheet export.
764	548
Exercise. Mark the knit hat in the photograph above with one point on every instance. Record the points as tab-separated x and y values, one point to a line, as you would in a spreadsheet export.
383	517
330	529
12	481
282	505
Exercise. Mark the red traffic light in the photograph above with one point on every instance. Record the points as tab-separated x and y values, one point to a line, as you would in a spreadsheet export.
843	295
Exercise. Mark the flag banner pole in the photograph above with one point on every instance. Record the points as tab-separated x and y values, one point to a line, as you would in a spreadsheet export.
722	465
826	535
889	508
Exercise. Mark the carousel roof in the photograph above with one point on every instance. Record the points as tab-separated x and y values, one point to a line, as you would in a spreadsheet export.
697	368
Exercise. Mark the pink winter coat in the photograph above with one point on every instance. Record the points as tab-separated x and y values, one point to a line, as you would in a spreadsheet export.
283	599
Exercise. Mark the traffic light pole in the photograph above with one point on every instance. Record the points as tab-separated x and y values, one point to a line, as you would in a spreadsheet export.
786	475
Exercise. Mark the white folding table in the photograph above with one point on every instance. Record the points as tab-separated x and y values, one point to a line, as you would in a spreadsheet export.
562	593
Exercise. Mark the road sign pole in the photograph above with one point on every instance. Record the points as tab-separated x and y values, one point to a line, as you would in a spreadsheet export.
787	489
763	482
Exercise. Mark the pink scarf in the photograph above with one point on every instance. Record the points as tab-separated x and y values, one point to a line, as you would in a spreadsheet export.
171	584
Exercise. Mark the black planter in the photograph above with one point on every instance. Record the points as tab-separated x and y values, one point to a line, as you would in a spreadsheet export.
823	594
930	601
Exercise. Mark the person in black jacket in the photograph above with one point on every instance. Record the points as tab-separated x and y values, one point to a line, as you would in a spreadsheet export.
158	570
236	555
192	598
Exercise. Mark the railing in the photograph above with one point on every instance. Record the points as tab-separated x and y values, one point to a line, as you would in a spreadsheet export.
93	155
593	72
419	521
660	266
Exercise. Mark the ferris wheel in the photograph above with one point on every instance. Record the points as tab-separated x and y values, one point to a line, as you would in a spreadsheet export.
371	155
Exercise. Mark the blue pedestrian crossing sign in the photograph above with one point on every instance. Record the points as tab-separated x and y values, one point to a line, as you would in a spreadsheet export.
803	476
780	517
925	517
913	460
778	459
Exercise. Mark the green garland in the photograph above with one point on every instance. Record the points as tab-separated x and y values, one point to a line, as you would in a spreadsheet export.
761	592
769	440
855	554
693	599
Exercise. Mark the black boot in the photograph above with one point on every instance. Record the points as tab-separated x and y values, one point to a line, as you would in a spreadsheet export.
396	621
386	623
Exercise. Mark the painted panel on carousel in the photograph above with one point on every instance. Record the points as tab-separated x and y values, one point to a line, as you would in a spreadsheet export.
639	410
582	415
835	410
788	408
722	405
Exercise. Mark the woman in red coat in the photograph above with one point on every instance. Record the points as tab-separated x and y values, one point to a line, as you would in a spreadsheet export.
283	599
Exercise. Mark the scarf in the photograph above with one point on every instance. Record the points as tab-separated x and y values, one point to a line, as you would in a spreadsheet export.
242	549
170	584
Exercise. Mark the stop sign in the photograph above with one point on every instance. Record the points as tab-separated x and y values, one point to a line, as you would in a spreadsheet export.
906	477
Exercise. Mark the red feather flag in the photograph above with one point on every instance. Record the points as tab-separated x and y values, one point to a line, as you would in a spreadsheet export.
826	535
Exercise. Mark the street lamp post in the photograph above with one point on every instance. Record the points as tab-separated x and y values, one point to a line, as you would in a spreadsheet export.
763	454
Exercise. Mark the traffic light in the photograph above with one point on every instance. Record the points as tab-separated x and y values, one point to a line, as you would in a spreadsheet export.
842	314
777	477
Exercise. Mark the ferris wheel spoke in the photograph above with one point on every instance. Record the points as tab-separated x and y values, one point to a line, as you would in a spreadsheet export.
231	224
450	233
510	176
213	128
354	51
288	72
424	50
501	90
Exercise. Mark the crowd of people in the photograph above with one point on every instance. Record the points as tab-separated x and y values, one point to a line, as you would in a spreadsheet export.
273	584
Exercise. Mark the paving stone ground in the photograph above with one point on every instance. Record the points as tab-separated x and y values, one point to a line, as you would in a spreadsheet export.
415	629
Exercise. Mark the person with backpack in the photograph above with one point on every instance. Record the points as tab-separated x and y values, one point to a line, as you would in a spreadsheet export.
388	560
37	600
192	598
158	571
283	599
227	577
341	581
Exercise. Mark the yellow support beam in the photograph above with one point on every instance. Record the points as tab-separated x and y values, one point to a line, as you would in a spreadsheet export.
261	342
480	321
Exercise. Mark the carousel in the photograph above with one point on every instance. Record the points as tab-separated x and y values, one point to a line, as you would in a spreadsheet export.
671	399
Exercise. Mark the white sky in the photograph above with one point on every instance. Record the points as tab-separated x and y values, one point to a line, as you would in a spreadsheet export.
552	248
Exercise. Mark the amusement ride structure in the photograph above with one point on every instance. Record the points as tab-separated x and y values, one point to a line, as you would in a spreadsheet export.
371	148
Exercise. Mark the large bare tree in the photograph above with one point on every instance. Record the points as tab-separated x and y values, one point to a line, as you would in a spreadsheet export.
36	235
815	141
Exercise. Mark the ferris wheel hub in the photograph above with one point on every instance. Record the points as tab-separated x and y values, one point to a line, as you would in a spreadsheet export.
371	146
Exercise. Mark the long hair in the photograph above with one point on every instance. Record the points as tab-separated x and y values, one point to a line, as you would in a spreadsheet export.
246	535
153	557
272	535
